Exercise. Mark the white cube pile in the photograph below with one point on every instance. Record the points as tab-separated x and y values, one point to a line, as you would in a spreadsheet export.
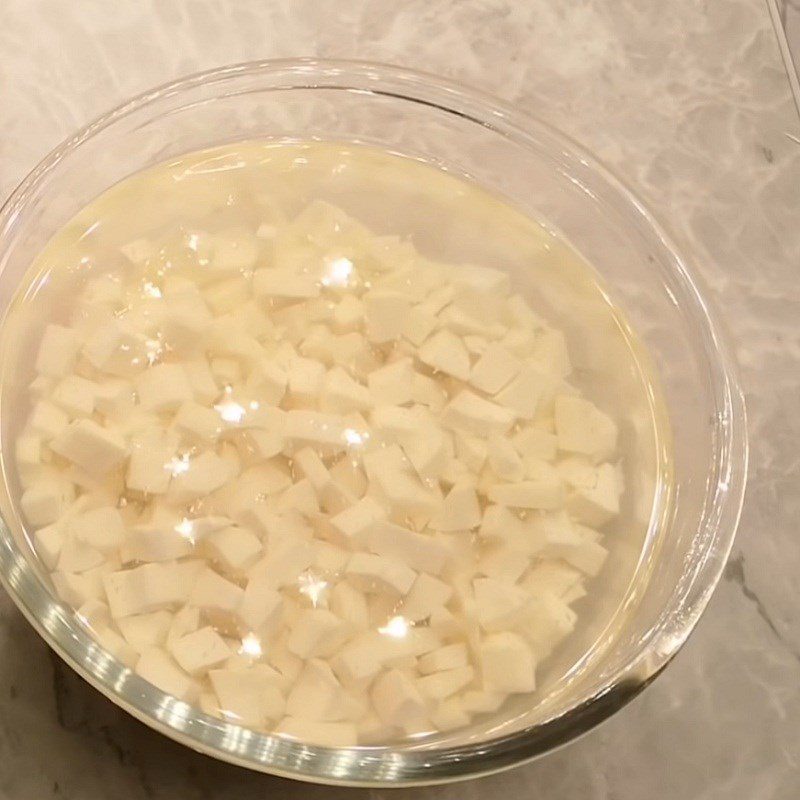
314	482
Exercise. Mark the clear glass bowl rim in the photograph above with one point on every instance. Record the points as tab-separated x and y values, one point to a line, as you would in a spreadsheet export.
402	765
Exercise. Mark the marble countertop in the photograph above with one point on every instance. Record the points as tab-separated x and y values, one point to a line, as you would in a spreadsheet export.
690	101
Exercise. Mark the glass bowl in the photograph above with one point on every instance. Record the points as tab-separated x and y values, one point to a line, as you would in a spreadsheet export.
686	518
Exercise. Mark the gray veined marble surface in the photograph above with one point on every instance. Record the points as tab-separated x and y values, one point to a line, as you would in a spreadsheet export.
690	102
